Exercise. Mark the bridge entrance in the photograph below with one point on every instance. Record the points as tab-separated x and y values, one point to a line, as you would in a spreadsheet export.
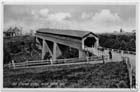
89	42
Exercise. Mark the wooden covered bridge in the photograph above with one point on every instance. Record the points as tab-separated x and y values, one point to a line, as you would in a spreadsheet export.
49	40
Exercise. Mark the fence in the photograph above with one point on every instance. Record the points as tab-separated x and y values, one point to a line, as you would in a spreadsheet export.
130	72
119	51
58	61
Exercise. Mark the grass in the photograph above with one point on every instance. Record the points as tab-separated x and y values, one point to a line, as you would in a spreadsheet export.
109	75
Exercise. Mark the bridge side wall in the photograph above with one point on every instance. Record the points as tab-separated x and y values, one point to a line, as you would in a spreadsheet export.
56	50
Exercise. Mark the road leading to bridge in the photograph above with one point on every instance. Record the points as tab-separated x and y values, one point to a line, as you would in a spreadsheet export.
115	55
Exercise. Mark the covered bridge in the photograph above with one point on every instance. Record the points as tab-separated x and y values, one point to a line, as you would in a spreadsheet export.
72	38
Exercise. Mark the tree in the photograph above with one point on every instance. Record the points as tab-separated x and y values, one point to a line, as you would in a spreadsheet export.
7	57
123	45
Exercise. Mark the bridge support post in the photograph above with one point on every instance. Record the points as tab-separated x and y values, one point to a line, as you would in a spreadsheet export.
97	43
81	54
54	51
36	40
44	49
38	43
49	49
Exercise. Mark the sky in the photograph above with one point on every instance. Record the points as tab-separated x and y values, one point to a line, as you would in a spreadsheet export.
95	18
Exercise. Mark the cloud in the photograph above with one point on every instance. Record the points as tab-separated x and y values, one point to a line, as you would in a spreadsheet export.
86	15
42	13
101	21
61	16
106	17
45	14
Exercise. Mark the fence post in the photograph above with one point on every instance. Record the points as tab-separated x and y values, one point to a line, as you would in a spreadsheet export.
122	53
87	58
13	63
51	61
130	73
129	67
103	59
27	63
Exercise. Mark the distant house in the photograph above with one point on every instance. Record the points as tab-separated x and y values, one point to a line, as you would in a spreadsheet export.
11	32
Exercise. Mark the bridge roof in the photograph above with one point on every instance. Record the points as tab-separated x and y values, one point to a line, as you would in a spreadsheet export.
75	33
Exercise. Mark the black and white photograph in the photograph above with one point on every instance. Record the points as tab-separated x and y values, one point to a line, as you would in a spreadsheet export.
69	45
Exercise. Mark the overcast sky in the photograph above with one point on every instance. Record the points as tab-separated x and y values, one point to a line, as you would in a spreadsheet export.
96	18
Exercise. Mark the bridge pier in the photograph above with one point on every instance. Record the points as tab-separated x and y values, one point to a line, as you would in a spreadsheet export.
44	49
81	54
55	53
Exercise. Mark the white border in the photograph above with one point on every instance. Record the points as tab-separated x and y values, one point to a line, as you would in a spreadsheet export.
70	3
1	45
79	2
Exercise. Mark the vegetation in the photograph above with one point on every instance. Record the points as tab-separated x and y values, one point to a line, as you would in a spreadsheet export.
109	75
122	42
19	48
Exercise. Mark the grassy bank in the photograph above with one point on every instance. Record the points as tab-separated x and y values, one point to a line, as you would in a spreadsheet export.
109	75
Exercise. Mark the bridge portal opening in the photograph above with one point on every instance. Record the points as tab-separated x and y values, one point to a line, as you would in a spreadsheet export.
89	42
